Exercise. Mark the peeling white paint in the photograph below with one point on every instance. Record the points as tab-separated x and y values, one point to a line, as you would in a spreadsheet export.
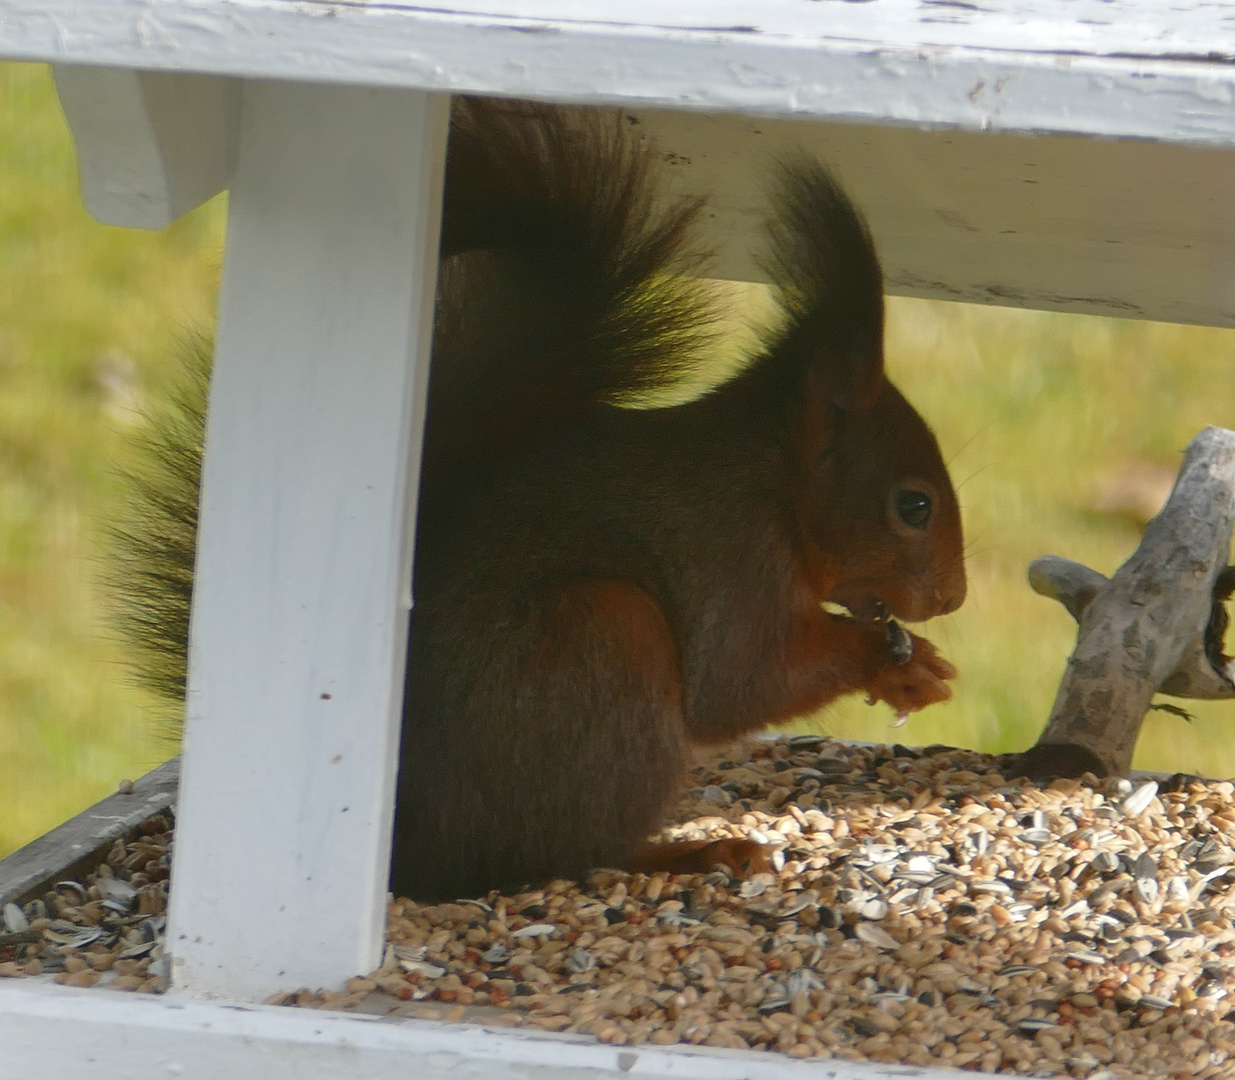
1078	68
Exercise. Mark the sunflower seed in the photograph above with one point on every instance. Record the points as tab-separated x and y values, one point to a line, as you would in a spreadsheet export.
875	935
1105	862
497	953
874	910
535	930
1137	802
76	938
15	921
579	961
1032	1024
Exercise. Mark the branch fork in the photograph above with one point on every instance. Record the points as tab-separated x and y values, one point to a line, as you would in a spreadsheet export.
1157	626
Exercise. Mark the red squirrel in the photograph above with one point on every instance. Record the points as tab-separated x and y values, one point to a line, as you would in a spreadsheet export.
598	587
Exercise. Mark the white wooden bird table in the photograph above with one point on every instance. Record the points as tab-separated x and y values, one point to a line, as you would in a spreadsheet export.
1076	155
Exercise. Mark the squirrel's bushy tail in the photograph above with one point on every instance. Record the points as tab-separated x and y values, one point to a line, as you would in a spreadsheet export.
562	281
558	289
150	574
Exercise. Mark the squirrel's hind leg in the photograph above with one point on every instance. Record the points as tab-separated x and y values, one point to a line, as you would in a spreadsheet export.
741	857
636	686
552	747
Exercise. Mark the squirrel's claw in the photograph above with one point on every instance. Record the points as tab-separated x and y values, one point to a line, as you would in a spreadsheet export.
920	681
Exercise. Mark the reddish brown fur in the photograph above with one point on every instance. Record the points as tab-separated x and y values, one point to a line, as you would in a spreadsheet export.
596	587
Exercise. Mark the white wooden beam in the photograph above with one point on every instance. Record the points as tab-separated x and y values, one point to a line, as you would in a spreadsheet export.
50	1032
150	146
1117	68
1127	228
299	625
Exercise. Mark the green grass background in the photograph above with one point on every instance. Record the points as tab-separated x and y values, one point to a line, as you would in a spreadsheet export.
88	322
1032	410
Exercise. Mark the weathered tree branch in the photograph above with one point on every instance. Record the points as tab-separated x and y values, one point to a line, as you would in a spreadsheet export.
1157	625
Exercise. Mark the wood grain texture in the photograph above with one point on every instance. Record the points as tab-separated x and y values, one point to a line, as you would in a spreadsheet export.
1136	629
1195	674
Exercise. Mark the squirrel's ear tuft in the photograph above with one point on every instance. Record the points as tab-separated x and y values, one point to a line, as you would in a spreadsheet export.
822	261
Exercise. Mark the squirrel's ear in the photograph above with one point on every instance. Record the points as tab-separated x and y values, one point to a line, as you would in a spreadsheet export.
831	392
845	374
851	381
838	379
837	363
822	260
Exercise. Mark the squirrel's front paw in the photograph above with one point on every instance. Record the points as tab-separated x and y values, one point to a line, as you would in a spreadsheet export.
914	684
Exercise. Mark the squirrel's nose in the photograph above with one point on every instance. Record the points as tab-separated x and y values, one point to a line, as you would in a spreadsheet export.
953	600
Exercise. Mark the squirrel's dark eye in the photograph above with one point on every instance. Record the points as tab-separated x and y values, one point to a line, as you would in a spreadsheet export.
913	508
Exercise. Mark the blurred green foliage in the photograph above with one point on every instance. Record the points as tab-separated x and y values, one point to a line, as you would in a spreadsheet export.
1041	416
89	317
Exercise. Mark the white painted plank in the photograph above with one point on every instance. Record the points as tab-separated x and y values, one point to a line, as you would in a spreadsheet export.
49	1033
1192	29
1126	68
1099	226
150	146
300	618
1198	28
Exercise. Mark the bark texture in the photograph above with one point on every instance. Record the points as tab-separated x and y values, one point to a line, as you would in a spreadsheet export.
1156	626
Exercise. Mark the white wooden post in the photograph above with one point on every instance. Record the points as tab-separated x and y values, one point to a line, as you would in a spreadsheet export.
300	620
